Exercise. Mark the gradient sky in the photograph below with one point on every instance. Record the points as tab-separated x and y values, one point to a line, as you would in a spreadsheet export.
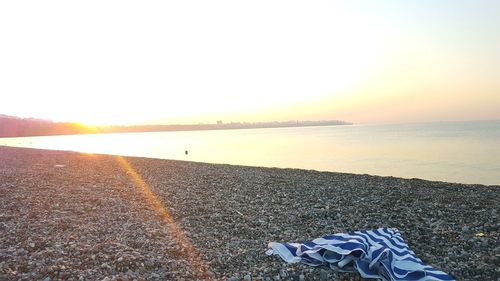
123	62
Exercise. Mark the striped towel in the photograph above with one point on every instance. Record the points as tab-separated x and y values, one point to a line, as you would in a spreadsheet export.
379	254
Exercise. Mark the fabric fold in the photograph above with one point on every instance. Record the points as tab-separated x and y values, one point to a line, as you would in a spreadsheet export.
381	253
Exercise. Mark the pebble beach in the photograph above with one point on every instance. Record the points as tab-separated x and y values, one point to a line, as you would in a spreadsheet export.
74	216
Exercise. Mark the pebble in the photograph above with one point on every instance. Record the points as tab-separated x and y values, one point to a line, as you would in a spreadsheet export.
89	220
323	275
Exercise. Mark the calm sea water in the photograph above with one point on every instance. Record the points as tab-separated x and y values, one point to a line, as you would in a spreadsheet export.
465	152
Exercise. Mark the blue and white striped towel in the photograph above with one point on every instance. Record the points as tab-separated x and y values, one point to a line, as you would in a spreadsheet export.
380	254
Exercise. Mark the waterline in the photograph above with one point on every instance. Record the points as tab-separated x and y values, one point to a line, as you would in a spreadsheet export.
465	152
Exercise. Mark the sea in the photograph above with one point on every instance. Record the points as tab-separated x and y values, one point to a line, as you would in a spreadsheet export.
462	152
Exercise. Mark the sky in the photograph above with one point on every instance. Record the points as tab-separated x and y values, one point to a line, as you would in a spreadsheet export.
165	62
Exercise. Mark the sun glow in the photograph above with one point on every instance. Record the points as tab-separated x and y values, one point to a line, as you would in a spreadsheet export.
179	64
191	62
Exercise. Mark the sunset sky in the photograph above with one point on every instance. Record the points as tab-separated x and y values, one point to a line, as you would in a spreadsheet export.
126	62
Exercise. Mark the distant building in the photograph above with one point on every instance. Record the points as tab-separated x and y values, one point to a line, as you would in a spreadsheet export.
219	122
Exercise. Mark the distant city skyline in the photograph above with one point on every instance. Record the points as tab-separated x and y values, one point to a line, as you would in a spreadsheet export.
126	62
11	126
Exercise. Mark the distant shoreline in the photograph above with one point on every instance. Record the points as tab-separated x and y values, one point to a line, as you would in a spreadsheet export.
408	150
29	127
211	127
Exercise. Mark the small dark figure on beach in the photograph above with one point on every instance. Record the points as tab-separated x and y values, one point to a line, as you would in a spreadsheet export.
186	152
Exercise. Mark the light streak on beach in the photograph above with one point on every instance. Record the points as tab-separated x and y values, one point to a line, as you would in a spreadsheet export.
188	249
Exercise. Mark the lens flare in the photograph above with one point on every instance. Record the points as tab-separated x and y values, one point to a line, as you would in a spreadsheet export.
188	249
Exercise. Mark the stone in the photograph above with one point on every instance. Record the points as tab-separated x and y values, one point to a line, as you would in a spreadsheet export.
323	275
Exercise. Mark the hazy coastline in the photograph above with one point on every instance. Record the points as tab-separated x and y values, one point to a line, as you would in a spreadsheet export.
68	215
462	152
12	126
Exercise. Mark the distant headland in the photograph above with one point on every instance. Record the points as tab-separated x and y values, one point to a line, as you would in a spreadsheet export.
11	126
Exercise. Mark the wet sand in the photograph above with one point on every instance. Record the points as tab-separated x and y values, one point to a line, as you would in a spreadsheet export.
73	216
